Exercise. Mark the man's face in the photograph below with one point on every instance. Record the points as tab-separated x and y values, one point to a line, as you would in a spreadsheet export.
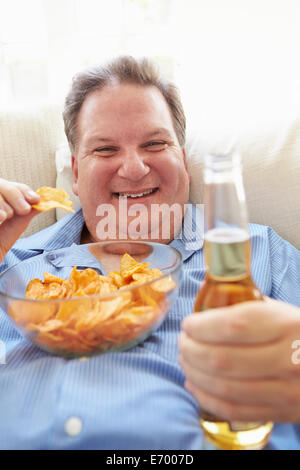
128	153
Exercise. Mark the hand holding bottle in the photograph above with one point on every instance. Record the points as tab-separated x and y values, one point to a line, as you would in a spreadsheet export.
228	281
241	362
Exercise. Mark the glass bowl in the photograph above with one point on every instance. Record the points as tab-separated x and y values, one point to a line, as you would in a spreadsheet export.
89	324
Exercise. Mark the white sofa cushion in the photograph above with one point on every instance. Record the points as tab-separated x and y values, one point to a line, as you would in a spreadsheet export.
64	178
271	164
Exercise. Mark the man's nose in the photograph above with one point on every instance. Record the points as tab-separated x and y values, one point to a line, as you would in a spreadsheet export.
133	167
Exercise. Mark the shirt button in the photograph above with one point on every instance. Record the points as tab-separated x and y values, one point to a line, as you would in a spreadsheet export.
73	426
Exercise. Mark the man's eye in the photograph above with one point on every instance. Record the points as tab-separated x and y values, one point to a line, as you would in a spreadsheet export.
156	145
105	150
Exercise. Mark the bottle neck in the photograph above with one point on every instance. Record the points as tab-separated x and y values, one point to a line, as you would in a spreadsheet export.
227	245
227	254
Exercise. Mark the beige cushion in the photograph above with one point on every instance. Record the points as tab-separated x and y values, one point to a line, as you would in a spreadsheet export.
28	141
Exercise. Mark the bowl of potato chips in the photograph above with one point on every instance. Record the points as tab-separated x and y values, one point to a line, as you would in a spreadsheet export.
93	298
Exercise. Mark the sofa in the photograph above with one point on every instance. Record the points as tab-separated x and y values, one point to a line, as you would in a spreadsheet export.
33	150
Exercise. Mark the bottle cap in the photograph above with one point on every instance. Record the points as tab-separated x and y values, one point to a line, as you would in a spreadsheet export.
222	161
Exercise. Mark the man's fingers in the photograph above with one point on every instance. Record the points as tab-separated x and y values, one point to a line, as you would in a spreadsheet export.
267	392
14	197
244	361
6	212
31	196
9	211
248	322
2	216
230	411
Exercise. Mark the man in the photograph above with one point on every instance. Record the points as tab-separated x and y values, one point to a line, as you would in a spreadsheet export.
126	130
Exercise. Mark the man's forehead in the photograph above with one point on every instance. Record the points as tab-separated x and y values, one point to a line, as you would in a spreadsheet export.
130	94
118	104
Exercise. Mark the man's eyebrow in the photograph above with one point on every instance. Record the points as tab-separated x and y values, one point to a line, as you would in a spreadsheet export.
160	131
96	139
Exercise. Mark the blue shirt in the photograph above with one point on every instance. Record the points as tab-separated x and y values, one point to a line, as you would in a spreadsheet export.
133	399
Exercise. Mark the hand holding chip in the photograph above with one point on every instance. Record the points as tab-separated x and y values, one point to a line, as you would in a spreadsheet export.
19	204
16	212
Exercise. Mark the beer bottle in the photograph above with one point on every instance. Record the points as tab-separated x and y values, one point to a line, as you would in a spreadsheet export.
228	279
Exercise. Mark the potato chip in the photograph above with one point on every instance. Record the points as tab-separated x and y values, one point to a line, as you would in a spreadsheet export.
163	285
36	289
80	324
117	279
32	312
51	198
129	266
48	277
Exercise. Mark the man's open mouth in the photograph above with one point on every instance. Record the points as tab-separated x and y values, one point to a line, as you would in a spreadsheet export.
136	194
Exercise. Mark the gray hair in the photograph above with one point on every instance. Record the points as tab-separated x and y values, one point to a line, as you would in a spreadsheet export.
124	69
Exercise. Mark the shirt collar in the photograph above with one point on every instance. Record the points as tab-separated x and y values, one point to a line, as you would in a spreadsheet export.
191	236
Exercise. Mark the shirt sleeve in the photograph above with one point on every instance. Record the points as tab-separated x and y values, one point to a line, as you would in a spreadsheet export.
285	269
15	255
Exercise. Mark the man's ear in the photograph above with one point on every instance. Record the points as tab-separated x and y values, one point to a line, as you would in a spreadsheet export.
75	175
185	163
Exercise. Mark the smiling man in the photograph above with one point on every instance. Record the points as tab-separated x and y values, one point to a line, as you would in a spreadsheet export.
126	130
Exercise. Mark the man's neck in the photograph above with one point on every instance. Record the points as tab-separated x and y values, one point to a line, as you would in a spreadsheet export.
85	236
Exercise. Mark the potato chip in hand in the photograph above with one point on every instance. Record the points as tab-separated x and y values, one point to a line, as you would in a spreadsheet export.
51	198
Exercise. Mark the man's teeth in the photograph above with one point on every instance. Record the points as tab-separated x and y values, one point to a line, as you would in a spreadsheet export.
137	194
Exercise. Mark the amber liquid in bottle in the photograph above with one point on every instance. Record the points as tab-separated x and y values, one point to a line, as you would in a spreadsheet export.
228	281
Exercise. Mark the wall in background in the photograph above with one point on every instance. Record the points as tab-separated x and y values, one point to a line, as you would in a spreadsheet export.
236	61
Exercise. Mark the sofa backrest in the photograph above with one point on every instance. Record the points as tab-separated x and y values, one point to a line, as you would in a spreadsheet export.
28	141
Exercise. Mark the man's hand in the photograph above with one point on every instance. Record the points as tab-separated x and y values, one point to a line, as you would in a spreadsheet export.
241	363
15	212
